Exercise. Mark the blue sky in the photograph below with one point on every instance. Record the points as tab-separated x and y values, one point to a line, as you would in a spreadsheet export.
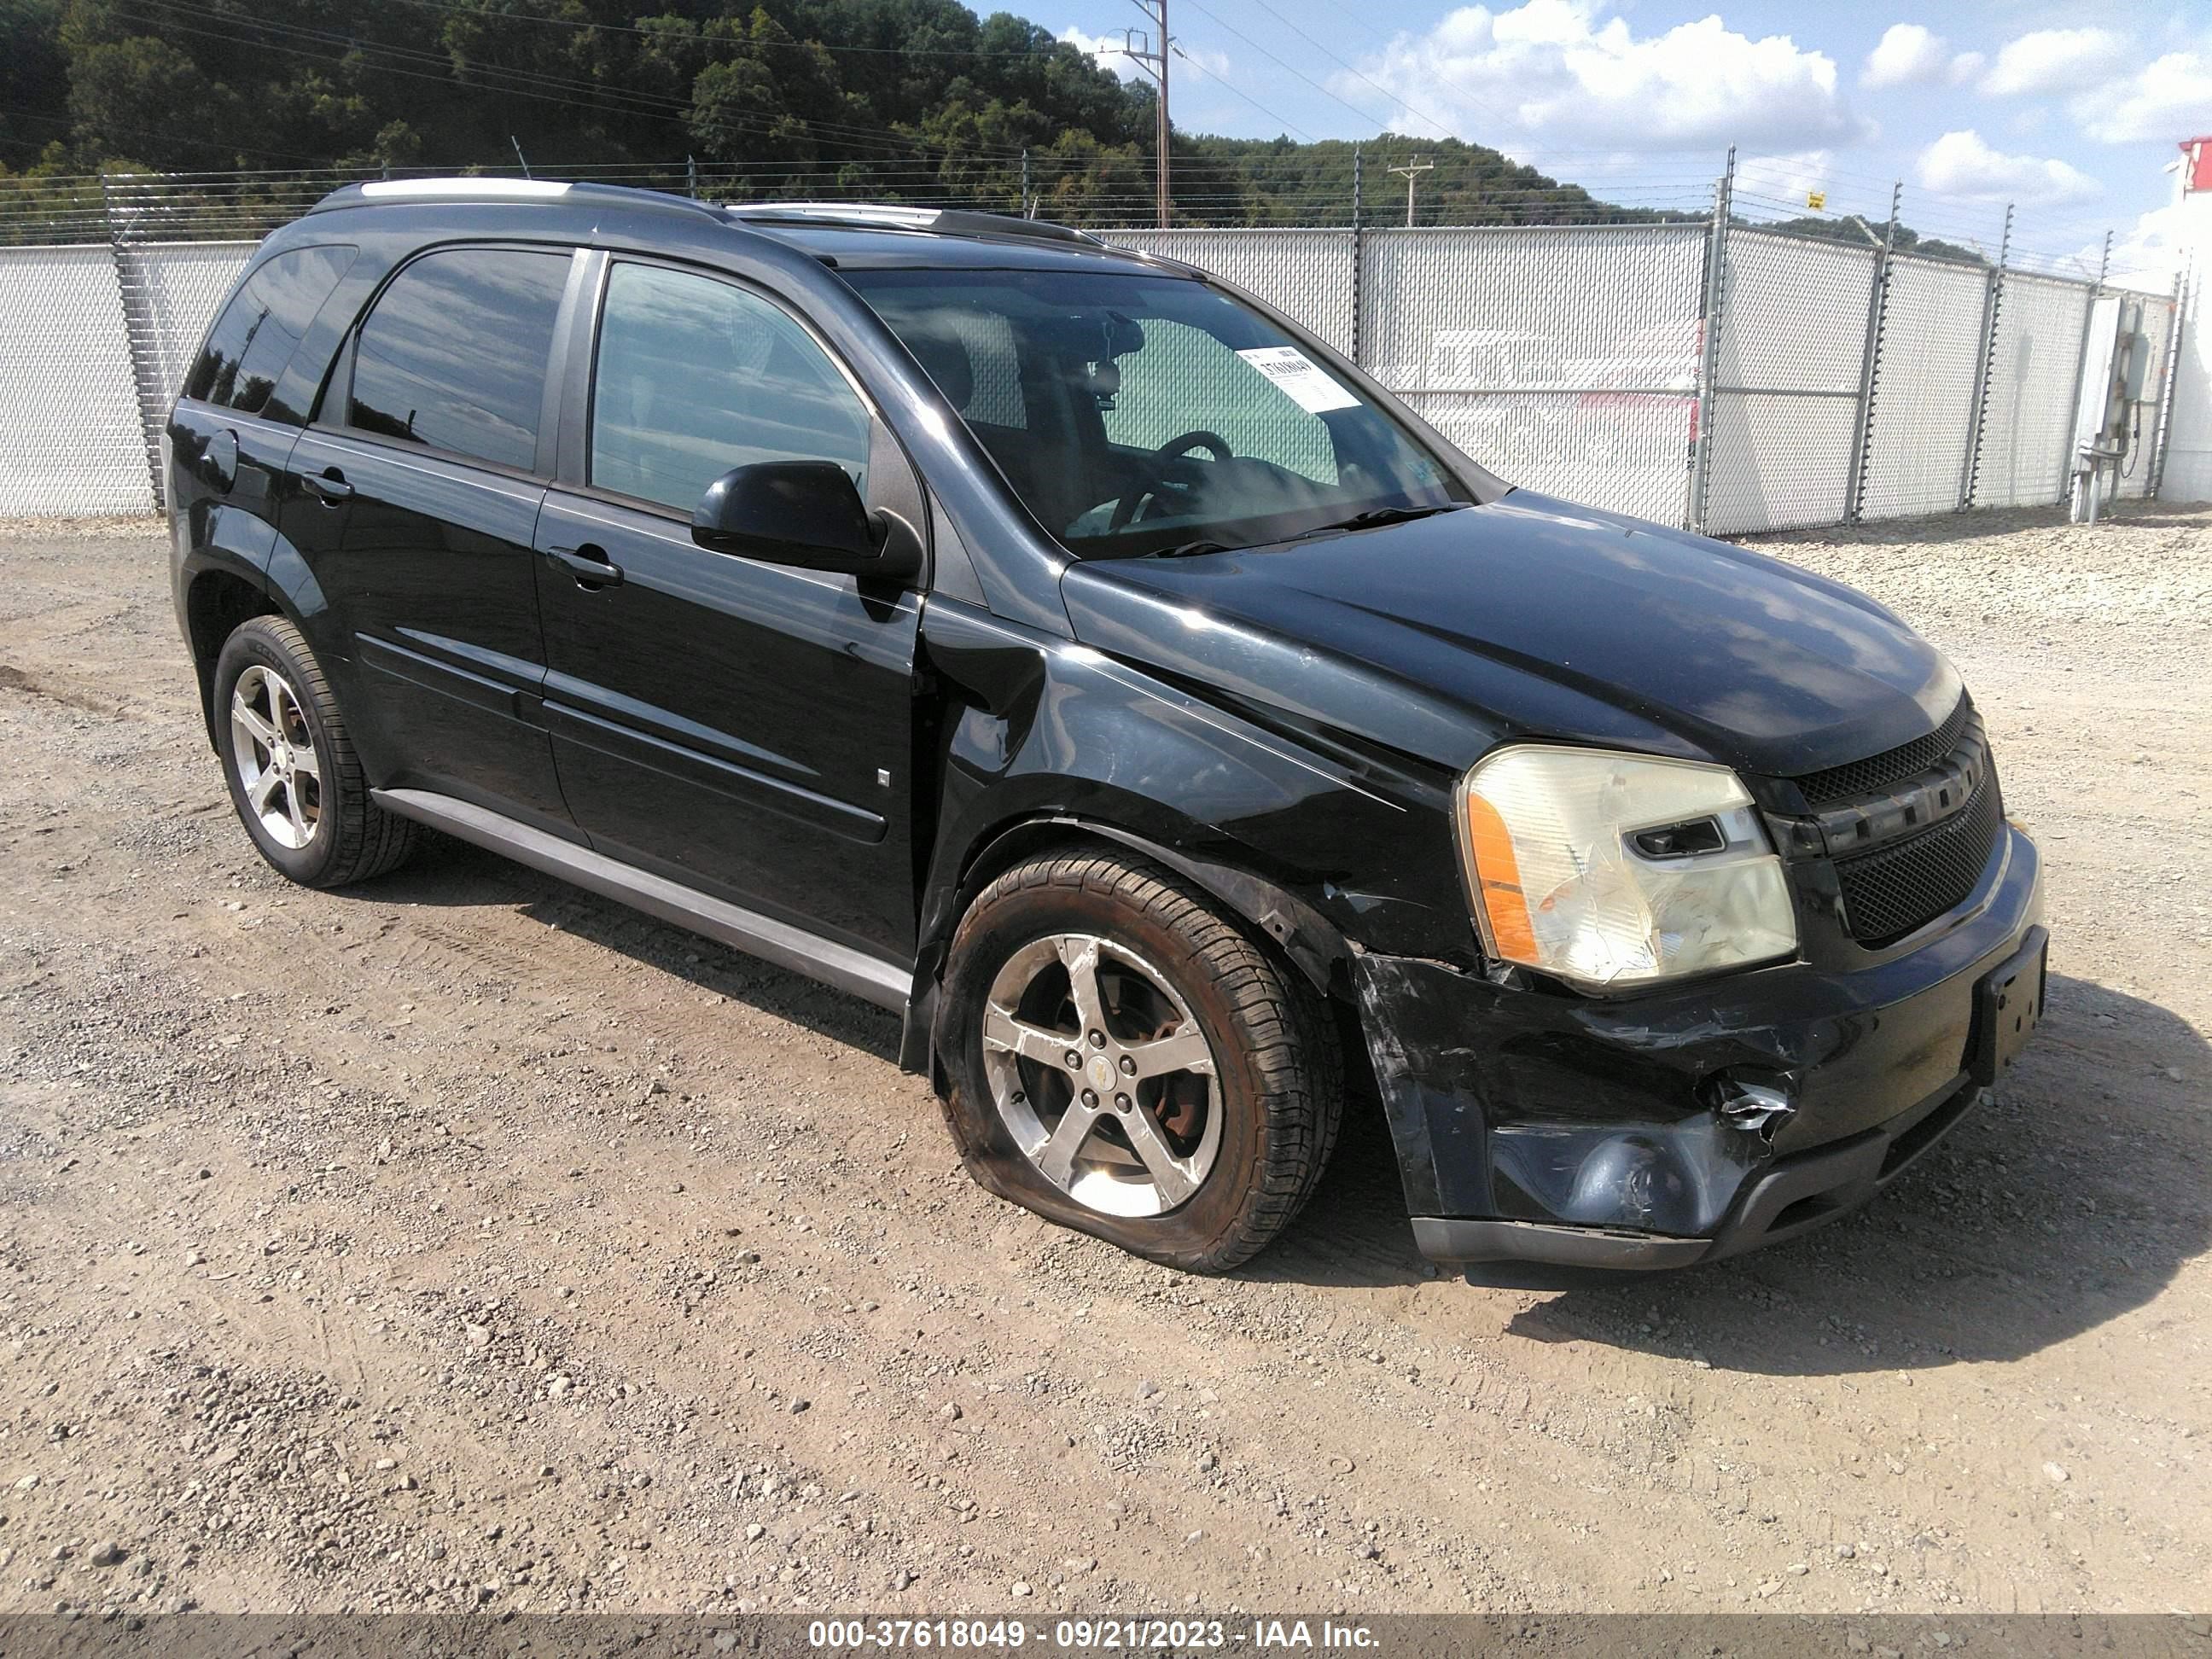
2071	112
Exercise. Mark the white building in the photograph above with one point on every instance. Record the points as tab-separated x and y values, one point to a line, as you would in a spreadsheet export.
2188	476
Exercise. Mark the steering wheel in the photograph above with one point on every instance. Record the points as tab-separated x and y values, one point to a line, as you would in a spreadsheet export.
1174	450
1198	438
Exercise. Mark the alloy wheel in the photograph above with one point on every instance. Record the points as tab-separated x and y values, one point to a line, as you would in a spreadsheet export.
1101	1074
273	754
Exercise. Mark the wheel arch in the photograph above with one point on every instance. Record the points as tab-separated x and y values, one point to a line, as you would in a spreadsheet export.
240	567
218	599
1282	923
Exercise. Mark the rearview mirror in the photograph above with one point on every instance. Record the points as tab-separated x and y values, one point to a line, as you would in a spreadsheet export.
807	513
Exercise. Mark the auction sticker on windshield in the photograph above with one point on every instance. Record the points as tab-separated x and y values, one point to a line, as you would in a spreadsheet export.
1300	379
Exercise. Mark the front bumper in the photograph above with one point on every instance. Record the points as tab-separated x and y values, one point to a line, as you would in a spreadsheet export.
1535	1128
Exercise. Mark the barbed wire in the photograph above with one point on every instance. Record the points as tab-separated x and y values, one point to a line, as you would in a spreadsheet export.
1109	192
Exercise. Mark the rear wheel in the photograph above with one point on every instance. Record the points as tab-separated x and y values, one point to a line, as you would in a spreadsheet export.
296	784
1126	1061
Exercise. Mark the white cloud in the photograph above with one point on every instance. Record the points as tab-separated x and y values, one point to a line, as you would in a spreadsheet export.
1966	66
1105	49
1109	51
2169	99
2055	60
2148	255
1908	54
1784	177
1549	71
1963	164
1203	59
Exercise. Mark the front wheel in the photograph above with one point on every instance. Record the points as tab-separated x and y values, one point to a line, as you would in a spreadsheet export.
1124	1061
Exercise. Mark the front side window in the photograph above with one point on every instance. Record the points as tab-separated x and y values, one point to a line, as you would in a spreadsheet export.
259	329
452	355
694	376
1134	413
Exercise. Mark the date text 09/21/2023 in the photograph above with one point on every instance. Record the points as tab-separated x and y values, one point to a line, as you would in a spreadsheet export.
1109	1634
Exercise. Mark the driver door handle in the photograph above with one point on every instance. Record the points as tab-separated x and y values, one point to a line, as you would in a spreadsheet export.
588	563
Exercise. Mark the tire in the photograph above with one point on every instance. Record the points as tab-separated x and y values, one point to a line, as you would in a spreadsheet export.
1198	1165
301	796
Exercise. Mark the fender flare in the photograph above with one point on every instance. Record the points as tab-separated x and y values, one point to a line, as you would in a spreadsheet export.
1304	937
282	579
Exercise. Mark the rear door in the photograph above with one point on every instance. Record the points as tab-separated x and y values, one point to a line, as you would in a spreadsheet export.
417	498
740	726
228	455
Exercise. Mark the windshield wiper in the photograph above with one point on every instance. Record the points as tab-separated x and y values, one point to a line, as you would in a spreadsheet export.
1370	518
1186	550
1377	516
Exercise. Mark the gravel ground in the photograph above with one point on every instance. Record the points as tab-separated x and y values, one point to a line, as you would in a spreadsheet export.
466	1241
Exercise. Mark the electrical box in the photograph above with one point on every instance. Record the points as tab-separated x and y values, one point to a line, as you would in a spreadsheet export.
2138	374
2108	416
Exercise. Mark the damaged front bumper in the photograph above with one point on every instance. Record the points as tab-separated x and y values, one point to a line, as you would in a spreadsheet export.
1659	1130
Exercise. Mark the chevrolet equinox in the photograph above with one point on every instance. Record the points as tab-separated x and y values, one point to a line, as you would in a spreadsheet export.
1063	649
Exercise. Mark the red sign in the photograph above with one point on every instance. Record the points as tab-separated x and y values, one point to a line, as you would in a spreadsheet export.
2196	169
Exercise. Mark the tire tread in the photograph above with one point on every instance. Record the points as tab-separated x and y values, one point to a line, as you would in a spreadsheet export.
1284	1028
371	842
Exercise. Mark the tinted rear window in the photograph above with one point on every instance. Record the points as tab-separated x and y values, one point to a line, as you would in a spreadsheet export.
453	353
259	329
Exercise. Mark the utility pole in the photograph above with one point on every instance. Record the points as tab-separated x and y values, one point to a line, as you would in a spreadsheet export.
1413	170
1137	45
1165	43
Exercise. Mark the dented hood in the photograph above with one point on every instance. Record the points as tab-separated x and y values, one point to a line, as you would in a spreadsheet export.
1531	617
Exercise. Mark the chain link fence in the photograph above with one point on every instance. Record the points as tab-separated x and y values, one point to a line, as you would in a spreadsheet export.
72	430
1787	375
1923	408
1564	357
1705	372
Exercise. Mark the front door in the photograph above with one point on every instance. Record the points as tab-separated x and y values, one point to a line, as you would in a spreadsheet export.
416	505
742	727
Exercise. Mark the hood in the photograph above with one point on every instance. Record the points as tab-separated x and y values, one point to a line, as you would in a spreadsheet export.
1531	617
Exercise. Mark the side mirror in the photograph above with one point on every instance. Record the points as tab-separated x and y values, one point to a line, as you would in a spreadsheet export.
806	514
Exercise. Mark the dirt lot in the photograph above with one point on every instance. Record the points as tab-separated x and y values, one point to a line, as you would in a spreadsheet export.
467	1240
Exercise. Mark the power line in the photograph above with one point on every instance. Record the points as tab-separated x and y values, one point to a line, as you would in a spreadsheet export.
1279	63
607	99
68	124
1046	55
1228	85
1396	100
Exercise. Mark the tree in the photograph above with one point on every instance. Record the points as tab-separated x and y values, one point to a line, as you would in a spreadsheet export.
914	99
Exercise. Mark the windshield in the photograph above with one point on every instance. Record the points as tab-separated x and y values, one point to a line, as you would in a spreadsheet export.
1143	414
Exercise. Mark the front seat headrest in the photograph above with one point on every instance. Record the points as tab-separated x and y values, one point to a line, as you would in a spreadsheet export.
945	359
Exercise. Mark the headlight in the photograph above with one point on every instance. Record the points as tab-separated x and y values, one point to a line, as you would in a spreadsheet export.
1615	869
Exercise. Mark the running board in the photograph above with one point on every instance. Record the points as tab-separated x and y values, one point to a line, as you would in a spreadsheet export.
883	983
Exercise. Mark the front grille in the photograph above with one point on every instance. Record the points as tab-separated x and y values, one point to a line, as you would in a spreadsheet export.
1888	768
1889	892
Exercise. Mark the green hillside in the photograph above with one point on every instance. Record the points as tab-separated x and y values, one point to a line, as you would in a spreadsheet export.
918	99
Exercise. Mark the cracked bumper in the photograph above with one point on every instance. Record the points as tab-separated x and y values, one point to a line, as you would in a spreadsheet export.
1577	1132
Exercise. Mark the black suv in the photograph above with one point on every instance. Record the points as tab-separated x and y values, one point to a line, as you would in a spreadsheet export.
1065	650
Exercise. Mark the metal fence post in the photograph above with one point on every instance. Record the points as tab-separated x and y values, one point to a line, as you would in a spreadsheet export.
1701	445
1992	303
1870	364
2183	286
1358	256
138	344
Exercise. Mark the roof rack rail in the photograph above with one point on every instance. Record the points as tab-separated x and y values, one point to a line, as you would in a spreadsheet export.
892	216
466	188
